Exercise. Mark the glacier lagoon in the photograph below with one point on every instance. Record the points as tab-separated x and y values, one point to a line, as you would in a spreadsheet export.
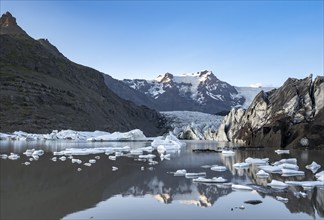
47	189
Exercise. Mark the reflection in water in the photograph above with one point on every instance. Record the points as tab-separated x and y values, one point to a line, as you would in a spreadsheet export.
47	189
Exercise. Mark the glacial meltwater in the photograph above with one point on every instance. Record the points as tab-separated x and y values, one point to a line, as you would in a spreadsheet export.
129	186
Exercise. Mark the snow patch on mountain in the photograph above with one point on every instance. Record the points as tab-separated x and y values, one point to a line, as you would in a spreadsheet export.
249	93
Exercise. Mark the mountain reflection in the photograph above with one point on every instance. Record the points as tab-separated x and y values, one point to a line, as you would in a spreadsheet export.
47	189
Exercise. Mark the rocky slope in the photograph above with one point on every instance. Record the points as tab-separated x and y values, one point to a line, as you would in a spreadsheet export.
201	91
41	90
292	115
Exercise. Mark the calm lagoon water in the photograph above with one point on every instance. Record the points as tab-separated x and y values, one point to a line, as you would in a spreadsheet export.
56	190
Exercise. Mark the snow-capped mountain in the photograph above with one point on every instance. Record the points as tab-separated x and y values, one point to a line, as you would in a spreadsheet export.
201	91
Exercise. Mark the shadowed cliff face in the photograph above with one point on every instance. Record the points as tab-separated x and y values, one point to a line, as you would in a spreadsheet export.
42	90
281	117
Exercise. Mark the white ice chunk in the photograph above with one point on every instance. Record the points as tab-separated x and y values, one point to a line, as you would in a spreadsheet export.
114	168
133	135
277	184
112	157
87	164
279	198
313	167
300	194
180	173
54	159
161	149
241	187
228	152
195	175
78	161
257	161
13	156
241	165
212	180
92	161
170	143
218	168
136	152
29	152
262	174
63	158
306	183
288	166
4	156
282	151
79	169
289	172
289	160
147	156
38	153
27	163
97	157
271	169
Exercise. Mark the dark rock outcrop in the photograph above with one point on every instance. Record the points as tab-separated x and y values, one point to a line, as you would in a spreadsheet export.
41	90
290	116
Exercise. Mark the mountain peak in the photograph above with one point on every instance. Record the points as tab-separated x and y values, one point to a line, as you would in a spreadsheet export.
165	78
8	25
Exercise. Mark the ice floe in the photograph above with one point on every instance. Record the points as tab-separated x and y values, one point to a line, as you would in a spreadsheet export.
63	158
289	160
282	151
180	172
290	172
257	161
313	167
4	156
92	161
78	161
13	156
114	168
288	166
306	184
87	164
320	176
212	180
218	168
167	143
241	165
271	169
278	184
26	163
241	187
133	135
195	175
147	156
282	199
79	169
262	174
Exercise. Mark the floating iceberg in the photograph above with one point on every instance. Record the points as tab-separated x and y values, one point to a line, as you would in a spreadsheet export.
114	168
80	151
241	187
147	156
241	165
218	168
262	174
92	161
277	184
257	161
307	184
320	176
213	180
167	143
133	135
180	173
63	158
279	198
228	152
271	169
194	175
4	156
289	160
78	161
13	156
282	151
289	172
288	166
313	167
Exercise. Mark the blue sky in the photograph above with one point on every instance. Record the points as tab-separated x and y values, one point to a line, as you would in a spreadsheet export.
242	42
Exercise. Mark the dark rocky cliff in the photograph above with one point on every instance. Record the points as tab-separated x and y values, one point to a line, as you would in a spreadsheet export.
290	116
41	90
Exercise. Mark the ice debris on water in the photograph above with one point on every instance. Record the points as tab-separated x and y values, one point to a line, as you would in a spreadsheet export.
4	156
180	172
26	163
289	160
277	184
241	165
313	167
282	152
262	174
63	158
79	169
87	164
114	168
13	156
241	187
54	159
78	161
212	180
228	152
218	168
290	172
112	157
257	161
92	161
282	199
97	157
195	175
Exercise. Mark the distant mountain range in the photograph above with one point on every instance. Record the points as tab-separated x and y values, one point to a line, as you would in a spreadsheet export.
201	91
42	90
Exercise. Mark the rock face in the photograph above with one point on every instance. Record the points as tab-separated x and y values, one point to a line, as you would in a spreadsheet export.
201	91
41	90
289	116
